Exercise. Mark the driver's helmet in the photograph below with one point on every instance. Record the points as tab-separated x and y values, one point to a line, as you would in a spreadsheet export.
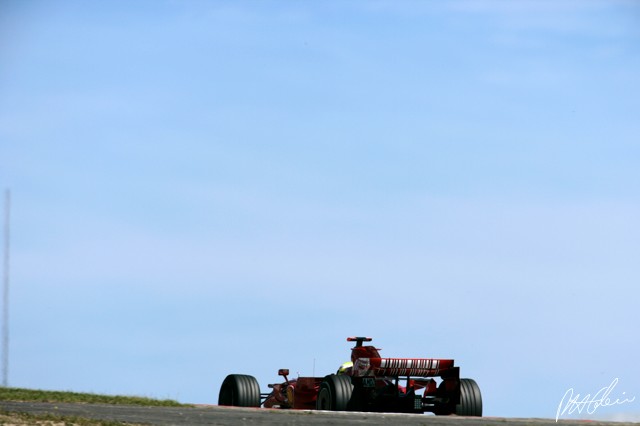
345	367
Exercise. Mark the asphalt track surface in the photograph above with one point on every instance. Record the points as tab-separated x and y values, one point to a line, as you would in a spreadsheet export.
214	415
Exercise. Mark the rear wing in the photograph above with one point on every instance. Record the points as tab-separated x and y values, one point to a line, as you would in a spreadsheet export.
392	367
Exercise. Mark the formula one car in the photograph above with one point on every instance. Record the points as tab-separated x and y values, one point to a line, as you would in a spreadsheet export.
367	383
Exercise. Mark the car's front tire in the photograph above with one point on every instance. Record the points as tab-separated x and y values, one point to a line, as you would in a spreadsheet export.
239	390
335	393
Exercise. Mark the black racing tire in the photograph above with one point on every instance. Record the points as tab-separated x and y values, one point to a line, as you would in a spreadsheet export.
470	399
335	393
239	390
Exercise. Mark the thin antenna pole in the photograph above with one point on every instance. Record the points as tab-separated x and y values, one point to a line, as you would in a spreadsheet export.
5	299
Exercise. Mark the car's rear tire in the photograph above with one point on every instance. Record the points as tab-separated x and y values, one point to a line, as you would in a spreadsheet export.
470	399
335	393
239	390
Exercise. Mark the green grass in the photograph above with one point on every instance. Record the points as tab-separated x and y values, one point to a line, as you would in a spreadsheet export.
30	395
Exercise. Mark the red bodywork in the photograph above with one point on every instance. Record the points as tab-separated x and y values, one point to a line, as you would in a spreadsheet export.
299	394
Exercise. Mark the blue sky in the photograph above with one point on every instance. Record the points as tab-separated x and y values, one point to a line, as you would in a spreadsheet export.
202	188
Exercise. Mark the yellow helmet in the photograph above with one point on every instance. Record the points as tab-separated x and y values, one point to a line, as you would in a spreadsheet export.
344	367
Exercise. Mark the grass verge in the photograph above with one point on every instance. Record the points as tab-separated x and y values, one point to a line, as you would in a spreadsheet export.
31	395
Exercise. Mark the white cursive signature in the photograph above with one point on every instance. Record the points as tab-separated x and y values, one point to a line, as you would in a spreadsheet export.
600	399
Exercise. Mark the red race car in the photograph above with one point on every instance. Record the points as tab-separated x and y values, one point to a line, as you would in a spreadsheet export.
367	383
